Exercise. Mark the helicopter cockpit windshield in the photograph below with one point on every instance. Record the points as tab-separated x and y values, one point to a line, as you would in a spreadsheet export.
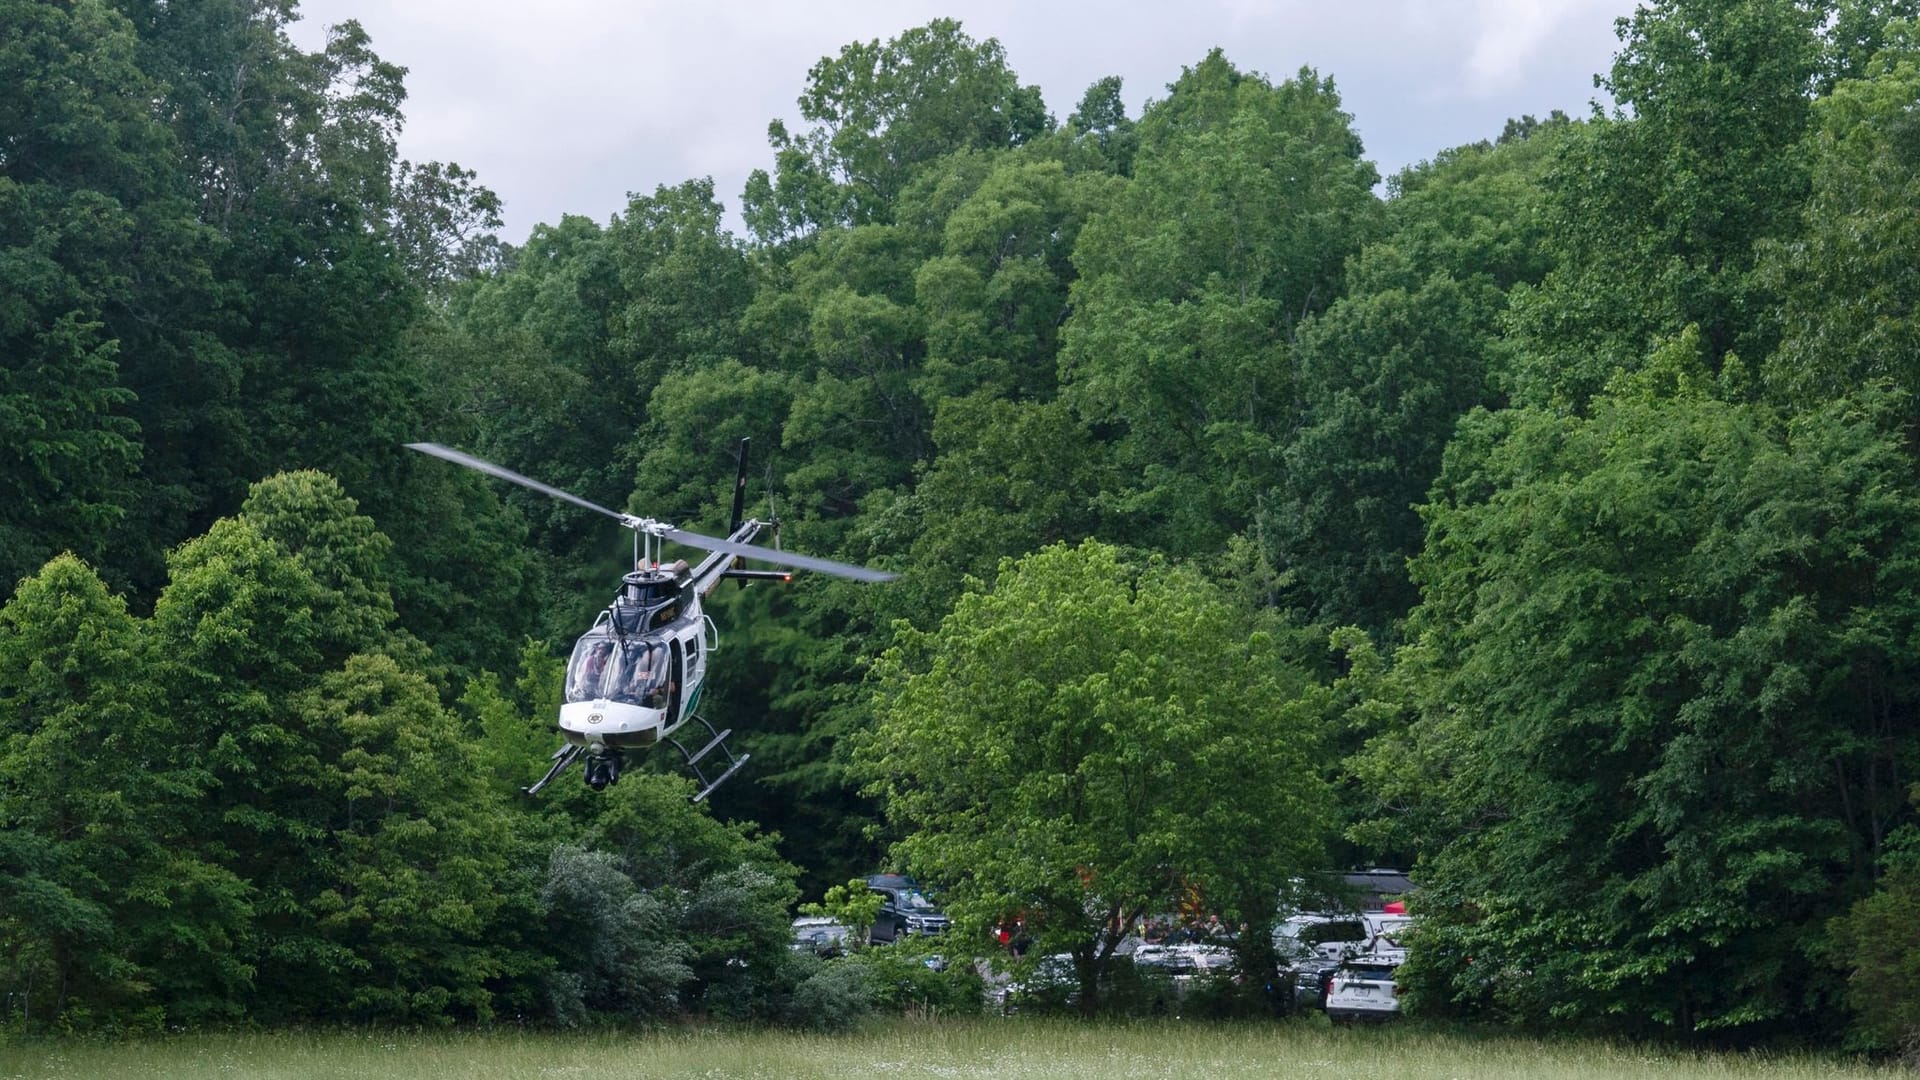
606	669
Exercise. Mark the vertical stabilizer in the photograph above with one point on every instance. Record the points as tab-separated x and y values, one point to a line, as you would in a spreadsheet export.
740	487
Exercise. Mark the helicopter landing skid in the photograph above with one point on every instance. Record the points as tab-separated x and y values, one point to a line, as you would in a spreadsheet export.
562	758
718	742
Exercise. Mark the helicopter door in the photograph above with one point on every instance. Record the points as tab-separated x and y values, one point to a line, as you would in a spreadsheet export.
696	665
674	682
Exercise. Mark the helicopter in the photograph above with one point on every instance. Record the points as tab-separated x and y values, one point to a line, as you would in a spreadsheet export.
635	677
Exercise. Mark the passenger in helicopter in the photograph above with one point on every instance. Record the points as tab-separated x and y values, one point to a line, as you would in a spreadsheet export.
585	685
635	677
639	676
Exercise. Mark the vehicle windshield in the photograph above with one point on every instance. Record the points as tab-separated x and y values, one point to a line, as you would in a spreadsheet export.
1368	971
915	900
1343	930
631	672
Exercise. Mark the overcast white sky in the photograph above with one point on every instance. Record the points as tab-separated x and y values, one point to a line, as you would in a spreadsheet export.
566	106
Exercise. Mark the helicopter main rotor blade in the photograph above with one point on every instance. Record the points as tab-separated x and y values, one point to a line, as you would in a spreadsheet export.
654	528
488	467
784	558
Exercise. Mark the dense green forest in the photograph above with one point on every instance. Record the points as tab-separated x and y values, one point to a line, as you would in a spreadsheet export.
1544	518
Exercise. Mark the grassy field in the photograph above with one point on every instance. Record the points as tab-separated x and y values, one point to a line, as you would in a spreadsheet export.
946	1049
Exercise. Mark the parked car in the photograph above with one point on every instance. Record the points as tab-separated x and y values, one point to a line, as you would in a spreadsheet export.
1387	936
1363	989
1310	936
904	909
1183	964
1310	980
1050	984
819	935
1376	887
1373	891
1315	945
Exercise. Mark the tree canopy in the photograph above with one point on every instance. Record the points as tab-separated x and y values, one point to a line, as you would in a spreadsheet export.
1538	521
1054	747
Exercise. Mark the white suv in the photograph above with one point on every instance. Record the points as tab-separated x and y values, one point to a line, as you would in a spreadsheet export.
1331	938
1386	937
1363	989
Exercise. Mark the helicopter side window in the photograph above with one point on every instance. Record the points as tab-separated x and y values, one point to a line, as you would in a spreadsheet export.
593	654
640	675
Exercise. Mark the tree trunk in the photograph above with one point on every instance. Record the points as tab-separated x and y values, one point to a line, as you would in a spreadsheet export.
1086	964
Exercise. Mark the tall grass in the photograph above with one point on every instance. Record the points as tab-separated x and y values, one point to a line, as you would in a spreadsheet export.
944	1048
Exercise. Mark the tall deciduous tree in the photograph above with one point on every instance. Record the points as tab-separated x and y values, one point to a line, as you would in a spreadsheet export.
1247	197
1010	478
1384	373
275	346
1848	280
1658	208
684	283
1882	960
1383	376
1088	743
101	906
881	112
1670	698
444	224
995	295
1101	124
84	223
378	864
429	883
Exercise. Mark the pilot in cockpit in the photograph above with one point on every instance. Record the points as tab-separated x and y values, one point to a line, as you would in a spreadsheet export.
592	669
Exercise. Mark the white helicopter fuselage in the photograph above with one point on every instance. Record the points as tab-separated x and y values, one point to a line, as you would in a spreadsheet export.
628	690
610	723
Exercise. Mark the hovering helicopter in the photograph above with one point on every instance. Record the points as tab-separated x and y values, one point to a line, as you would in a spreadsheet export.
635	677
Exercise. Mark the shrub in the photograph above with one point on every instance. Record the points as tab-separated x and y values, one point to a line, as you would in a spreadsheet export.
834	997
902	981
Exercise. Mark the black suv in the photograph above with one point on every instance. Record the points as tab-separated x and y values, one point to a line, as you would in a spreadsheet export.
904	909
